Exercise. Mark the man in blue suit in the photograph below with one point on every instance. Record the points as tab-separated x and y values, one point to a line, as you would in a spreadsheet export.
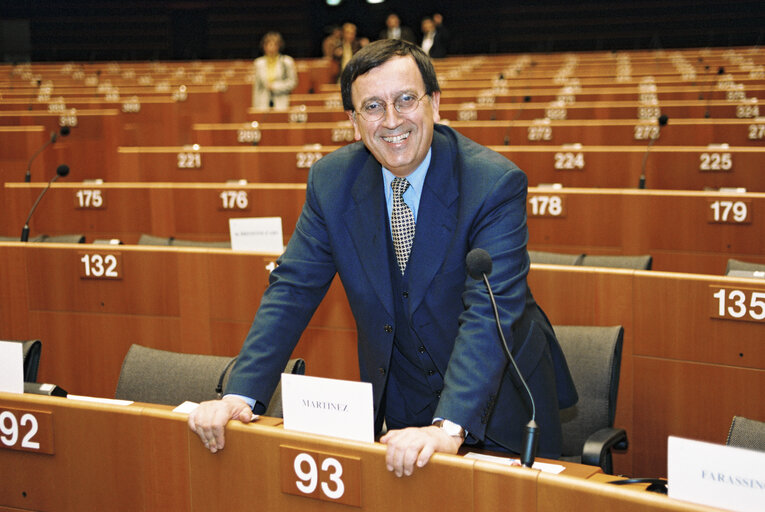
427	337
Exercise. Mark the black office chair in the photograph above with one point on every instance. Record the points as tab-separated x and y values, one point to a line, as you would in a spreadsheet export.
746	433
145	239
171	378
594	357
639	262
555	258
31	351
742	267
49	239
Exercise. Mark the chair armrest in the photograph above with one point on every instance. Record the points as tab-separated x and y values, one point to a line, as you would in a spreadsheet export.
598	446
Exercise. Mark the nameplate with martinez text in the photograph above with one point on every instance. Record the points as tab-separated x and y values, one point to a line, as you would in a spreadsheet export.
330	407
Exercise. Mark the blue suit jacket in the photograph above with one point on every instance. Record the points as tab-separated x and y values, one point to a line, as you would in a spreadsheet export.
472	197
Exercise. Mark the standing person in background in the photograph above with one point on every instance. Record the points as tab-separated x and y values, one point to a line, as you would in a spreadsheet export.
347	46
443	32
394	30
432	42
275	75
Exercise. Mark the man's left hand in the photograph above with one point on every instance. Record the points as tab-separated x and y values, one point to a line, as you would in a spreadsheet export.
415	445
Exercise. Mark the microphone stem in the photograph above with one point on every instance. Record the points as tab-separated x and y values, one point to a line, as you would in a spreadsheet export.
25	230
28	175
641	184
507	350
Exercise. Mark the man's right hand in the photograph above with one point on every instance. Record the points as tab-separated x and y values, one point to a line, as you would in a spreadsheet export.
209	419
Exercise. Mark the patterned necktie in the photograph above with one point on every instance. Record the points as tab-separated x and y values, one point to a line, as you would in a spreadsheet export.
402	223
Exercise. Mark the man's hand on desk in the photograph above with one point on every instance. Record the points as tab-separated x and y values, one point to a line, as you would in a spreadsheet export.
415	445
209	419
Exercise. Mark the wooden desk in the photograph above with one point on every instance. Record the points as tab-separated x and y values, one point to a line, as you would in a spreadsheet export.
677	348
599	132
86	150
616	132
147	459
668	167
680	354
277	164
193	211
188	300
684	231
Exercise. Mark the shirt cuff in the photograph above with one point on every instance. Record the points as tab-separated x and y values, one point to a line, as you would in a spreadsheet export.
440	419
250	401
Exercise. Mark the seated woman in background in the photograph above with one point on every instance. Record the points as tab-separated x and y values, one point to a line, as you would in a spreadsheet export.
275	75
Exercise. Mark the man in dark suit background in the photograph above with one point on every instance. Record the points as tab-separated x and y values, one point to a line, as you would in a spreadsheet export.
394	30
427	338
434	41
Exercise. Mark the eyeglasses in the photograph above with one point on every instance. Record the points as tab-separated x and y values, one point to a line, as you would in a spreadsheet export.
404	103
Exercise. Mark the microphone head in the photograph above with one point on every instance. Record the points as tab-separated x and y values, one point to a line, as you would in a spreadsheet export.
65	130
663	119
526	99
721	70
62	170
478	263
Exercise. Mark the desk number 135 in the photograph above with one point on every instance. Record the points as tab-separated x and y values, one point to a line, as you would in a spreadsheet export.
740	304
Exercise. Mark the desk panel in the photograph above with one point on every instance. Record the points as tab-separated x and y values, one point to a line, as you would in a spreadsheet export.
667	167
147	459
127	210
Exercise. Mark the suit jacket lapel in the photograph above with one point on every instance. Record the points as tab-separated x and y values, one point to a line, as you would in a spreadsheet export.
436	219
367	224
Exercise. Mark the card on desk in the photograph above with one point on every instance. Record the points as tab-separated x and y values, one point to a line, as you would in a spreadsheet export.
11	367
330	407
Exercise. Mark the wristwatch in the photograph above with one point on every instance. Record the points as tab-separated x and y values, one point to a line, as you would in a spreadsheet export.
450	428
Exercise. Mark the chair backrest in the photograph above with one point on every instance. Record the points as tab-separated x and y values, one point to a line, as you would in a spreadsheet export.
31	350
59	239
197	243
555	258
746	433
734	264
639	262
594	357
162	240
145	239
163	377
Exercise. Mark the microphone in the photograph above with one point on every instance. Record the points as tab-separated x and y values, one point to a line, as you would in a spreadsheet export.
62	170
53	138
479	265
518	113
663	119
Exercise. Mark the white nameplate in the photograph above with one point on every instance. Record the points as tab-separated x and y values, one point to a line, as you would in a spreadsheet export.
11	367
329	407
262	234
716	475
98	400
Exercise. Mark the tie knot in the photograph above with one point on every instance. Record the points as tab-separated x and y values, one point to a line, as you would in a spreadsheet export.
399	186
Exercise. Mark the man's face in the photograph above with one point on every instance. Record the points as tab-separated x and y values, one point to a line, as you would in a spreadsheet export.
398	141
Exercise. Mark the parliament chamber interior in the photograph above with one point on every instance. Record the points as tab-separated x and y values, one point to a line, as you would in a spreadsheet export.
129	140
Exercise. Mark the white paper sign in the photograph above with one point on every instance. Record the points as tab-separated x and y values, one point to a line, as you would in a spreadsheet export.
716	475
330	407
11	367
262	234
